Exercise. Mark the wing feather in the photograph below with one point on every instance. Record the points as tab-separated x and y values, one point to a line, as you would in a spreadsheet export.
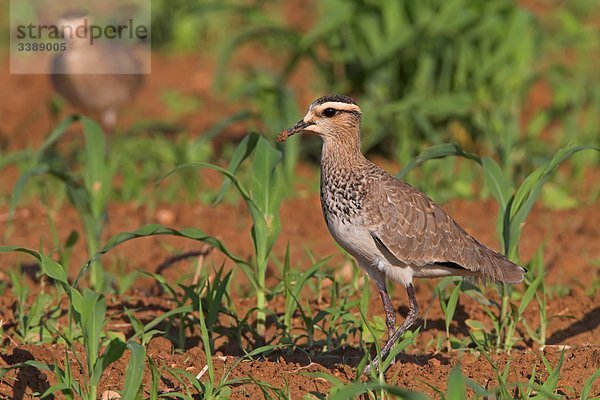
416	231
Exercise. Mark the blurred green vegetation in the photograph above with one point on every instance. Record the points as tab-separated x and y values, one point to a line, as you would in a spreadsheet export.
485	80
488	75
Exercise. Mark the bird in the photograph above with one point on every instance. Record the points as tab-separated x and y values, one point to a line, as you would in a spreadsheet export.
393	230
99	77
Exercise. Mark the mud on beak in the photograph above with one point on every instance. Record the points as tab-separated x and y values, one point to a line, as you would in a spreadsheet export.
298	127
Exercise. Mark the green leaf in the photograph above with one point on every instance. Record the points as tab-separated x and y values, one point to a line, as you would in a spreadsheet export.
113	352
354	390
476	325
155	230
437	151
451	306
41	167
53	269
57	132
96	174
267	194
529	191
135	371
234	179
207	344
557	197
264	177
242	151
456	385
214	297
554	373
496	182
587	386
179	310
530	293
22	182
409	338
92	321
42	366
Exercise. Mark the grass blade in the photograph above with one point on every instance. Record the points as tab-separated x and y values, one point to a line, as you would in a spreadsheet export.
355	389
437	151
456	385
496	182
135	371
155	230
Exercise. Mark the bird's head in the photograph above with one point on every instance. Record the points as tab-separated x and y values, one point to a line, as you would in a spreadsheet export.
332	117
72	20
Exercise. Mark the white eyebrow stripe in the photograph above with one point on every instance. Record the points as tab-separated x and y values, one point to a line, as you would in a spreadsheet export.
337	105
309	116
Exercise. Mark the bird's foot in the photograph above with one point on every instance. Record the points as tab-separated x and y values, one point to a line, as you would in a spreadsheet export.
374	365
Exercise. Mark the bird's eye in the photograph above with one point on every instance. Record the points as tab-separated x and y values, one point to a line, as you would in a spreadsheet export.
329	112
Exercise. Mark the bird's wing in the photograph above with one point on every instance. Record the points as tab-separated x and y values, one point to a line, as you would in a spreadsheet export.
407	225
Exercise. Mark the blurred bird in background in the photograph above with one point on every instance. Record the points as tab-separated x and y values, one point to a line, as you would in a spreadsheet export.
98	77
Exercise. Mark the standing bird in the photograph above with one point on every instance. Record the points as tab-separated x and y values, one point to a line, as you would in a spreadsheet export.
392	229
99	77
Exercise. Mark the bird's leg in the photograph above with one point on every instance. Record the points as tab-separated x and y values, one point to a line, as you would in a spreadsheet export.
109	120
390	313
411	318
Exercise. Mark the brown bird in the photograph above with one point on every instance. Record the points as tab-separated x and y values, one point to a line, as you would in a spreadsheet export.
392	229
98	78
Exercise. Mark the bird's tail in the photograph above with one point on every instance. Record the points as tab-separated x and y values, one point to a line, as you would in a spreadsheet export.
500	269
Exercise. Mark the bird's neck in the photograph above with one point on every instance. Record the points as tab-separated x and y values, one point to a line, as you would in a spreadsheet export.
344	178
342	150
343	166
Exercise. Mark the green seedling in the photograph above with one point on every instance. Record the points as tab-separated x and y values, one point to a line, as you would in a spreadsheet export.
29	319
589	383
294	282
263	198
448	303
87	191
535	278
515	206
88	311
371	389
212	388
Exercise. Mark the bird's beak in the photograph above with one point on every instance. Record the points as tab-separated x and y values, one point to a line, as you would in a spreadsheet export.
298	127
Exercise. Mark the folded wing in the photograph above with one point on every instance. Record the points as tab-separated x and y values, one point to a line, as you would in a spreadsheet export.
416	231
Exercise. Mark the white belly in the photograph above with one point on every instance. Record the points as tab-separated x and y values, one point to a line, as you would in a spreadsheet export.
356	240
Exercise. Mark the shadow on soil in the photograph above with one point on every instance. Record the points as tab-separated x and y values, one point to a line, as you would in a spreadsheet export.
589	322
27	377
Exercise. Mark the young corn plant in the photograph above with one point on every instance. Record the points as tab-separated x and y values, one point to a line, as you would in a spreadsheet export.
293	283
30	320
369	390
515	205
448	303
87	310
211	387
263	196
88	191
417	67
536	278
516	202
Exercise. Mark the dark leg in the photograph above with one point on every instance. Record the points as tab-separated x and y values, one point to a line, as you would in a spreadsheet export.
411	318
109	121
390	313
